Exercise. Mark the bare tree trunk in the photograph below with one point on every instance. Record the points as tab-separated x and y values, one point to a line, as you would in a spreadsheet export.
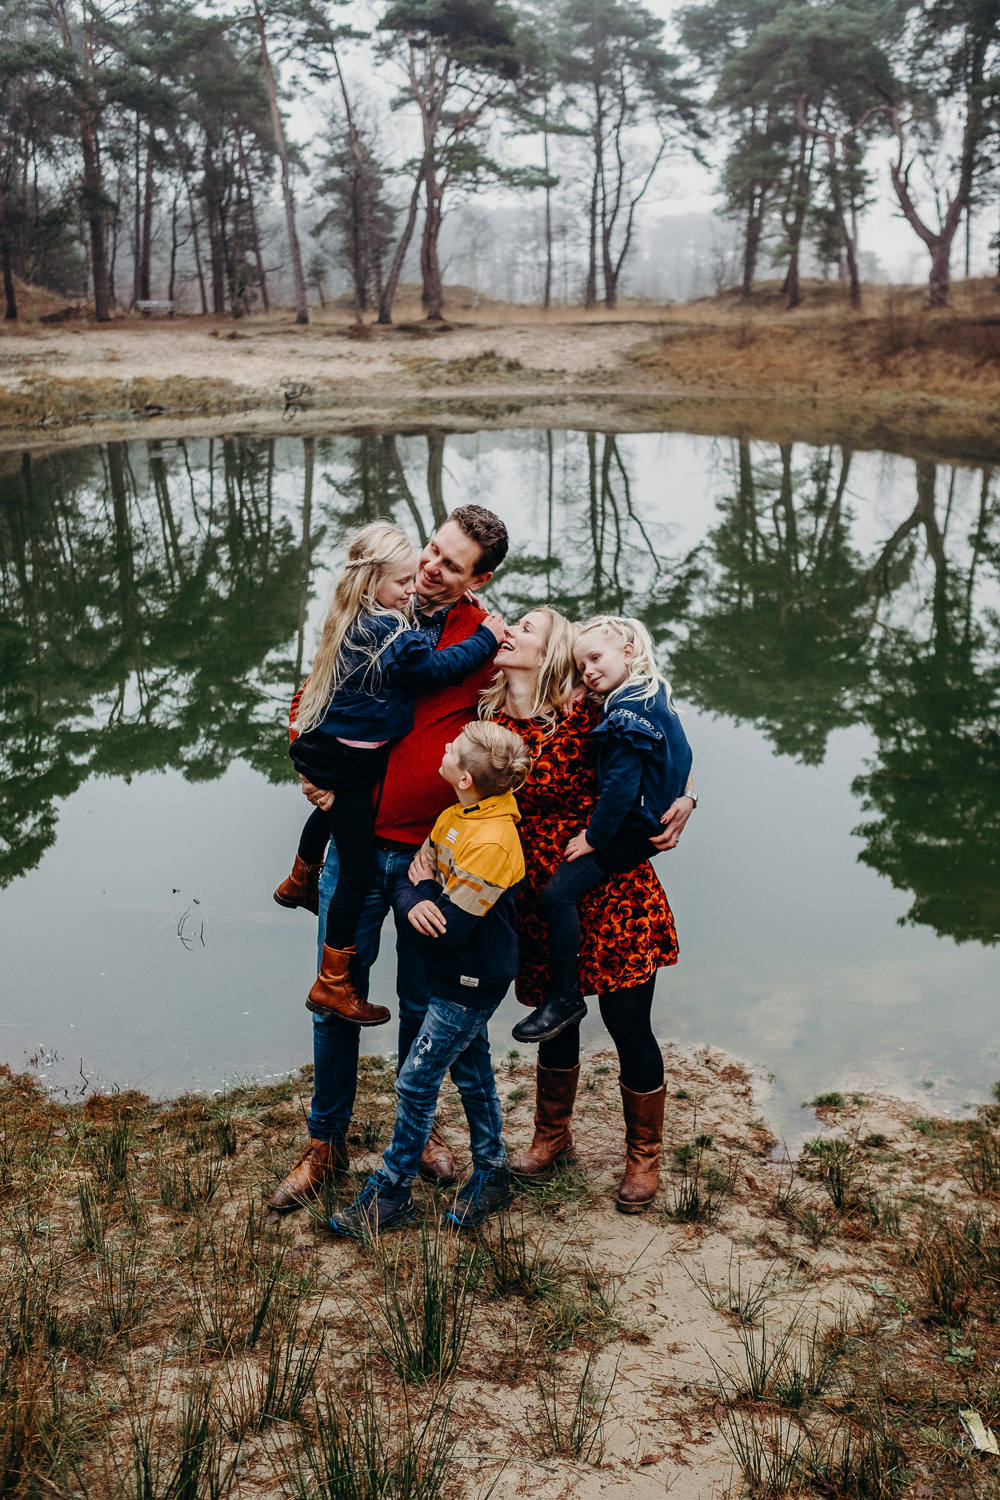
254	231
395	270
430	267
145	263
590	292
547	294
298	277
367	197
10	297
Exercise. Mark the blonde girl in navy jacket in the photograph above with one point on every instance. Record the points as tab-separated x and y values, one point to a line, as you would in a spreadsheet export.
643	761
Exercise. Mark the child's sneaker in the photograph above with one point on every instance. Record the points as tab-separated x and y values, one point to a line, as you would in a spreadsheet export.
487	1191
380	1205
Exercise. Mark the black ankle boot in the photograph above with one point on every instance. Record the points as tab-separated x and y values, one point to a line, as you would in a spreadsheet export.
559	1009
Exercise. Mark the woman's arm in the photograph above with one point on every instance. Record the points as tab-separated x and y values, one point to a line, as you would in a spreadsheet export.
675	818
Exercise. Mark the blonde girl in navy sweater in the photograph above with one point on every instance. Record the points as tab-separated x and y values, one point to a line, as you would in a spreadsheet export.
643	761
359	698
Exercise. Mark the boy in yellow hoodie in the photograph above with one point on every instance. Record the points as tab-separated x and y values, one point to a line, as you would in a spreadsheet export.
459	896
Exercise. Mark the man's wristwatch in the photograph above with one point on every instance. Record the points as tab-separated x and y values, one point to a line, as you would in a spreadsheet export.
693	795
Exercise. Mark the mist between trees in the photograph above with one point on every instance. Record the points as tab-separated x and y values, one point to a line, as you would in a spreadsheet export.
146	151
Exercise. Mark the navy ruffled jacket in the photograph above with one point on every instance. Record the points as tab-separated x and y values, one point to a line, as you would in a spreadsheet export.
375	698
643	761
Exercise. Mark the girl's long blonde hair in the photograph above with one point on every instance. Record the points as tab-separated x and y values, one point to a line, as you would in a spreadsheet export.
372	553
642	668
556	675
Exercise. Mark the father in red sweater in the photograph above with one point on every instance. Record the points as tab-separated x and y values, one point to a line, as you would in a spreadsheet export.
460	557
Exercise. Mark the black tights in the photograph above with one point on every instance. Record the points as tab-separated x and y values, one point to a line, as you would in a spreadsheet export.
350	824
626	1014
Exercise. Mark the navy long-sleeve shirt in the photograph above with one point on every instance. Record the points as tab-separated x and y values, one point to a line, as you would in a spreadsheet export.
643	761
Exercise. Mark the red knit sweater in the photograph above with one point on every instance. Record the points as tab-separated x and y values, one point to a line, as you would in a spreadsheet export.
414	794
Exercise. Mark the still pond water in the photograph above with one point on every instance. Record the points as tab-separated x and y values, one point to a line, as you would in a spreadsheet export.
829	621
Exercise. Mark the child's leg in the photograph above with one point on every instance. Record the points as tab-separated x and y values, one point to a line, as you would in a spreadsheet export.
443	1037
313	839
472	1073
350	823
571	880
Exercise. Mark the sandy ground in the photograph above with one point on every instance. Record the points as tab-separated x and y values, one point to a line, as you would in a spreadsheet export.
78	382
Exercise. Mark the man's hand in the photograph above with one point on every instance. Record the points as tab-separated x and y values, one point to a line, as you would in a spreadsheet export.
578	847
314	794
495	625
427	918
673	821
420	868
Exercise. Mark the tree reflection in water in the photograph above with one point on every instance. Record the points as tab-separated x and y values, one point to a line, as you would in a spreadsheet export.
158	601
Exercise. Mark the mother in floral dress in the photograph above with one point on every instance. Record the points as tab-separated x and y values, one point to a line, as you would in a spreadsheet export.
627	927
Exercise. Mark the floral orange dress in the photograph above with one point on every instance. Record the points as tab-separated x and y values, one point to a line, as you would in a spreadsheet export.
626	925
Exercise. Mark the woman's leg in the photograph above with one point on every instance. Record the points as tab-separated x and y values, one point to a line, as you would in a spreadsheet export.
556	1079
628	1016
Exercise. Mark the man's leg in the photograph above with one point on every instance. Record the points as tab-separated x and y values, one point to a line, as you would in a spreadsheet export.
335	1059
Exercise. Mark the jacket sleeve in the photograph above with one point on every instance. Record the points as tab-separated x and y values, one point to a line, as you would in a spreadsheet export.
460	913
622	779
411	658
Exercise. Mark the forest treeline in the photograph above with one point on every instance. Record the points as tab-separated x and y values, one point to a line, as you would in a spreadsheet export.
143	143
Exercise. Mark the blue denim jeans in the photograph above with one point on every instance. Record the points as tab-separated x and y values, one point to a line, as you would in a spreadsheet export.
335	1042
452	1037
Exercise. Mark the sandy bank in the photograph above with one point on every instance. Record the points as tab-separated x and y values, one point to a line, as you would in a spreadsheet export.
819	381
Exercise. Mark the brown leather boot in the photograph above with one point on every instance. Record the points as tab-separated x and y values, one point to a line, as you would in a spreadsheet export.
319	1161
555	1093
334	991
437	1163
301	888
643	1142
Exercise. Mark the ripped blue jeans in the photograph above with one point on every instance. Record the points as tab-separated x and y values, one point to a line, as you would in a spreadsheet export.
451	1037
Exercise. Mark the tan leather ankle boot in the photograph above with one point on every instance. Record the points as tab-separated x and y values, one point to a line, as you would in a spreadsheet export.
334	991
320	1161
301	888
643	1145
555	1094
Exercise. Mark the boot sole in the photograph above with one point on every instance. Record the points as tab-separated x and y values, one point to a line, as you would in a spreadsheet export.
474	1221
566	1159
291	905
331	1010
553	1031
371	1234
632	1208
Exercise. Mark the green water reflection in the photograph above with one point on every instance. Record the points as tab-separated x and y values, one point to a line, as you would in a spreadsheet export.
159	602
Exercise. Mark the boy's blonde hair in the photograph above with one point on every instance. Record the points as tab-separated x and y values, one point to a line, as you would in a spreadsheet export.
642	668
372	553
497	759
556	675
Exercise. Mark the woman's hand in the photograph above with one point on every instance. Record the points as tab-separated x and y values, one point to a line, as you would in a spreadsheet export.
427	918
673	820
495	625
576	696
420	868
578	847
314	794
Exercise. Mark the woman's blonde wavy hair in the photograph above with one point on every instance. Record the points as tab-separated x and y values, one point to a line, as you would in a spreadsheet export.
642	668
556	675
373	552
